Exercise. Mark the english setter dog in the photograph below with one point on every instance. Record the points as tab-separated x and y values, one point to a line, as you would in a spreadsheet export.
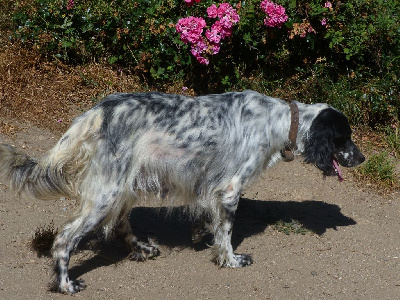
201	152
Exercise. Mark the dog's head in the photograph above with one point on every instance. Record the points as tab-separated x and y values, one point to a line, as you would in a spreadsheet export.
329	143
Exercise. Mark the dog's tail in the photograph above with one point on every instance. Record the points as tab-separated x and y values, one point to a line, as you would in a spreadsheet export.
30	177
58	173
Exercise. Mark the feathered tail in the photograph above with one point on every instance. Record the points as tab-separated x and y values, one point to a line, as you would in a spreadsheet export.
30	177
60	171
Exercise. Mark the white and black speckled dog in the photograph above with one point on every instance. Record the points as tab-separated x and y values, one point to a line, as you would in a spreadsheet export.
200	151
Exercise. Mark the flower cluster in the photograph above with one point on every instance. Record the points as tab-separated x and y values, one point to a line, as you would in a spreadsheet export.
324	21
222	28
328	4
70	4
191	31
191	2
276	14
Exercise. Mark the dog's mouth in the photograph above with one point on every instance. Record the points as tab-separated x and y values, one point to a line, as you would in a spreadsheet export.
337	169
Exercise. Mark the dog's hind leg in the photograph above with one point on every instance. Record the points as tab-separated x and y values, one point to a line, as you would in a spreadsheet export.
223	250
89	218
139	251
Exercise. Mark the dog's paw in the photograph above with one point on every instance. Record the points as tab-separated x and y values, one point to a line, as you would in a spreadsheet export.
198	234
239	261
144	251
200	229
244	260
69	287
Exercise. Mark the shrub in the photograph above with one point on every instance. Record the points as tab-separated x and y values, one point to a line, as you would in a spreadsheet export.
329	40
85	29
136	34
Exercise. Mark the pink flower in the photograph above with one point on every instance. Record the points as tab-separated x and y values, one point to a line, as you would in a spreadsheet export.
202	60
218	32
217	26
227	12
213	36
276	14
191	2
190	29
214	48
199	48
311	30
226	33
212	11
223	9
323	21
226	22
70	4
227	18
328	4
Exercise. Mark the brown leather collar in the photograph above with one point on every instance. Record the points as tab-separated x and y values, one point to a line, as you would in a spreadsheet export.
287	152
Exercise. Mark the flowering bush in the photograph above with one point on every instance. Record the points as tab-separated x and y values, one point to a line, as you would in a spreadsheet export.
212	47
276	15
191	30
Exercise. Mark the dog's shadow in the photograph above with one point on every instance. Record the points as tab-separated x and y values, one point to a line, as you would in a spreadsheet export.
172	227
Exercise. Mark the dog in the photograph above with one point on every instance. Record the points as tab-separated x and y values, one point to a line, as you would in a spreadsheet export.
199	151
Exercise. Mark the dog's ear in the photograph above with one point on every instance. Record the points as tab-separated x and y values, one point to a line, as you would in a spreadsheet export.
319	145
319	148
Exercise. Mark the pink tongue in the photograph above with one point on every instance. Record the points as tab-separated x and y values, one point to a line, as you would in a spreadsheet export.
337	168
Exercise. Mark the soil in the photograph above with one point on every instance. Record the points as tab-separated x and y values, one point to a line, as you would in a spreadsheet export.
349	247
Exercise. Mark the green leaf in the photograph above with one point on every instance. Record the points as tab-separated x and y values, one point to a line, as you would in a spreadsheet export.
113	59
66	44
225	80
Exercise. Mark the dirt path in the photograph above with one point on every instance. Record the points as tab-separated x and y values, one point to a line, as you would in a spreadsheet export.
350	251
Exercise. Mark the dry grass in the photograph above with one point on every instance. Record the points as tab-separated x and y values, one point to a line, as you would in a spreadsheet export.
51	94
48	94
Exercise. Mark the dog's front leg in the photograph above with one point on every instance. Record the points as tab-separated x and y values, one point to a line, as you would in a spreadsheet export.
224	254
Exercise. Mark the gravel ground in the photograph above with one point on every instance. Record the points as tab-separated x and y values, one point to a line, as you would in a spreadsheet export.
349	248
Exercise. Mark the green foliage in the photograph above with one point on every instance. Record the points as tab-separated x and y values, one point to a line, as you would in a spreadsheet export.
349	52
392	137
292	227
379	168
368	101
137	34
